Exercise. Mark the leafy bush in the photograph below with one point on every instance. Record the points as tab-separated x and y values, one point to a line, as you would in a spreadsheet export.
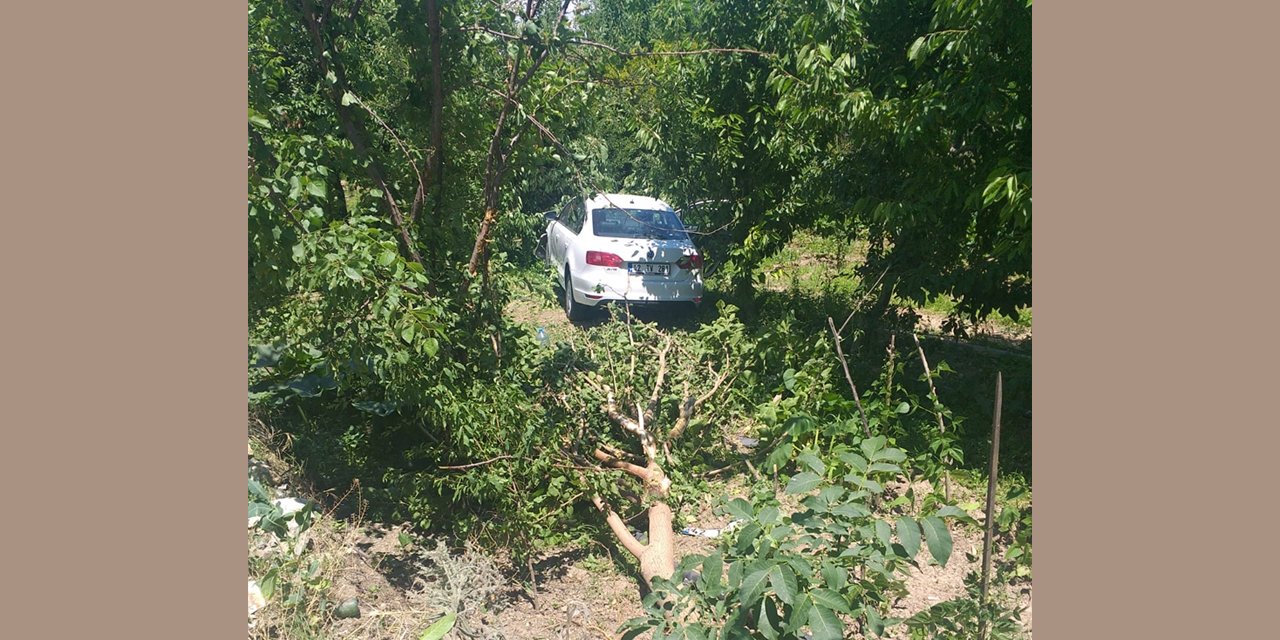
831	563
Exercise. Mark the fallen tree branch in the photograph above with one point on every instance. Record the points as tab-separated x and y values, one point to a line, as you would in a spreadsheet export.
482	463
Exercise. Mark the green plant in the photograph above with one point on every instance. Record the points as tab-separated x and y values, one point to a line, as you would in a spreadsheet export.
961	618
810	573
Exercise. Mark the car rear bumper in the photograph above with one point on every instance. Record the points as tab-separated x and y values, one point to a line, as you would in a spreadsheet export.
615	285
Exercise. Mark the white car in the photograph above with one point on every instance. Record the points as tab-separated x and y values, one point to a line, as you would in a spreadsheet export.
622	248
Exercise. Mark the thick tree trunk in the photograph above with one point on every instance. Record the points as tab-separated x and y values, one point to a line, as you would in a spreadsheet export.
659	557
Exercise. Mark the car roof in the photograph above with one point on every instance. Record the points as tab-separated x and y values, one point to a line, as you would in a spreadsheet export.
626	200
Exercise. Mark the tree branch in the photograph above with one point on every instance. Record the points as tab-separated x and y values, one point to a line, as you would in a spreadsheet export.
835	337
619	528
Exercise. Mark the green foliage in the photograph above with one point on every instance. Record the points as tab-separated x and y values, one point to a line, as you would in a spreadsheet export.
787	575
960	619
903	128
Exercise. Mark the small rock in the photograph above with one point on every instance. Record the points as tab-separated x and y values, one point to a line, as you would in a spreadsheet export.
348	609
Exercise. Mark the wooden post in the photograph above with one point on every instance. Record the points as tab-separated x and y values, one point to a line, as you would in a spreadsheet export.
991	503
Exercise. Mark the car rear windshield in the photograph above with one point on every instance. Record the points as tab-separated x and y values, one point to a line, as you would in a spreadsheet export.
637	223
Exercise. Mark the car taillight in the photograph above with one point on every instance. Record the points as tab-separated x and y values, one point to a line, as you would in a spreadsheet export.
691	261
603	259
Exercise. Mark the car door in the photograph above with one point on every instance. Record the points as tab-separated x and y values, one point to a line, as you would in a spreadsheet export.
557	235
570	229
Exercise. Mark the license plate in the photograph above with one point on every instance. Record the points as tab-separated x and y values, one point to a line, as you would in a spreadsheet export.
650	268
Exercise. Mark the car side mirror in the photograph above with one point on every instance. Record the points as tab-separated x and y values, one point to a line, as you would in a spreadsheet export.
550	216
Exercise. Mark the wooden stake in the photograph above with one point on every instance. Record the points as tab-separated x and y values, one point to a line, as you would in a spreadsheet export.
991	504
937	411
835	335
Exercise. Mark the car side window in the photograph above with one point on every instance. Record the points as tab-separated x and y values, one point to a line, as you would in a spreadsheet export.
579	217
571	216
565	212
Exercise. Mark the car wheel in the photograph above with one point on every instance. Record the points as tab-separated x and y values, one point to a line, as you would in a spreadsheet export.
572	309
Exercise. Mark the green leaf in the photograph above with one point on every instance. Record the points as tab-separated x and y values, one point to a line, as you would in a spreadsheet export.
892	455
258	493
884	466
747	536
268	584
753	586
874	621
386	257
884	533
257	120
830	599
768	515
857	462
348	98
712	567
783	580
871	446
913	54
353	274
439	628
809	460
903	407
909	535
938	538
803	482
407	333
740	508
316	188
824	624
431	346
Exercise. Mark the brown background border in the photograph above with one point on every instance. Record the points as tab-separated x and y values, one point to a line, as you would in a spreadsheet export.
123	253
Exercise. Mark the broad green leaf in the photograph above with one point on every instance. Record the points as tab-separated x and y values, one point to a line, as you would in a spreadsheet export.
830	599
884	466
769	620
884	533
809	460
903	407
938	538
747	536
784	584
439	628
353	274
268	584
871	446
799	615
874	622
768	515
824	624
740	508
753	586
892	455
909	535
386	257
857	462
348	98
803	482
712	568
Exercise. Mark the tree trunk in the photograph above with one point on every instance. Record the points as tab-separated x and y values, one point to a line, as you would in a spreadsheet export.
659	557
351	124
437	107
